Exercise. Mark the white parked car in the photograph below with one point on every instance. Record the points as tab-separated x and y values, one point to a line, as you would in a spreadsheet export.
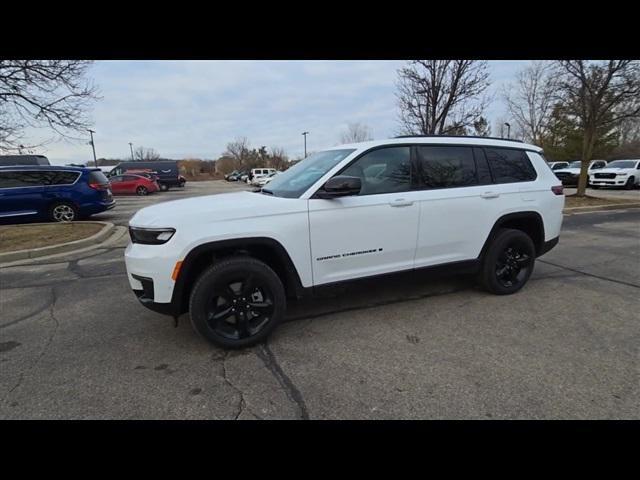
558	165
489	206
571	174
619	173
262	181
258	173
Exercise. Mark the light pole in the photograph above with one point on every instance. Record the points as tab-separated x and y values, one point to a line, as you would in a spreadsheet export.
508	125
304	134
131	148
95	160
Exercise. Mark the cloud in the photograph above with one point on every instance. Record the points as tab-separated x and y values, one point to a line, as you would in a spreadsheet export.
193	108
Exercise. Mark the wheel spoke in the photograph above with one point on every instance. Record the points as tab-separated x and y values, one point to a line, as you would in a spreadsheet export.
243	324
262	307
220	314
247	286
523	260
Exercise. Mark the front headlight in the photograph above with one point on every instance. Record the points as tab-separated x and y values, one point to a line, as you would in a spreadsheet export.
151	236
622	174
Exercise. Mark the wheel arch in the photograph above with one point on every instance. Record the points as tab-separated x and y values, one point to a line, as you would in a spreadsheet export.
265	249
530	222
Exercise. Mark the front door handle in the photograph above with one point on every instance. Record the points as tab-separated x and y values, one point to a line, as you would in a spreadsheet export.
490	195
400	202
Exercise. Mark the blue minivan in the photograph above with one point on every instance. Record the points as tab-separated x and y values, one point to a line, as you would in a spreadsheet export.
58	194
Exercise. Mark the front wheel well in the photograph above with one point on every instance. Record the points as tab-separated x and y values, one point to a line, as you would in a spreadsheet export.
266	250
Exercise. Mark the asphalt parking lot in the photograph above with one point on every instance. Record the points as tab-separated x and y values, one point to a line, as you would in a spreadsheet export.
75	343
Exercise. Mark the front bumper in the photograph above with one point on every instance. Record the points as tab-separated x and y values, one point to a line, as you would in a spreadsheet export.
609	182
146	297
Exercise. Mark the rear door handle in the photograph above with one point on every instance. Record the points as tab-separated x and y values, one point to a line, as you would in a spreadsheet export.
400	202
490	195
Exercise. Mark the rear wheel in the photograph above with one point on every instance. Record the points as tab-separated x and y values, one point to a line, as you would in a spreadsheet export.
142	190
63	212
164	187
237	302
508	263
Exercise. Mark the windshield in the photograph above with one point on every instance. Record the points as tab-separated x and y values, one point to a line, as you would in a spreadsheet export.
575	164
296	180
623	164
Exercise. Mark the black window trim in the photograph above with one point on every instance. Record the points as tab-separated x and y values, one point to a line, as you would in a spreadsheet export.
43	171
415	185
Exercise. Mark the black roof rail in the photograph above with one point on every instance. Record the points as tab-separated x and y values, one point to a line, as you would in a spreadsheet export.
458	136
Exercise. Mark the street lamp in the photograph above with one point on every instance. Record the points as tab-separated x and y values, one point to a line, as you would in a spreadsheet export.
95	160
508	125
304	134
131	148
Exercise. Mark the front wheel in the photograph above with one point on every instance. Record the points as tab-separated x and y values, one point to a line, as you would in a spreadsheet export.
141	190
508	263
630	183
237	302
164	187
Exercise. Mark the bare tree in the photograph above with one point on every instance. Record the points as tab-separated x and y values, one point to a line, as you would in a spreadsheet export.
600	96
439	96
278	159
531	98
141	154
43	93
355	133
239	151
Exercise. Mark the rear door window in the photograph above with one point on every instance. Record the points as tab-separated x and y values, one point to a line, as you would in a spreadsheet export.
446	167
22	179
509	165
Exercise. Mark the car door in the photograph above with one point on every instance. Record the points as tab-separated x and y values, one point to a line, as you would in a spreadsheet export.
21	193
373	232
461	200
130	183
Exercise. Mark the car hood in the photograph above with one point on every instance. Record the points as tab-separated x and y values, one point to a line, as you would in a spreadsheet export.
613	170
215	208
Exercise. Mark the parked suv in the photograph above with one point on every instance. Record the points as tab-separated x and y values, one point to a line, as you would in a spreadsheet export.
12	160
59	194
487	206
570	175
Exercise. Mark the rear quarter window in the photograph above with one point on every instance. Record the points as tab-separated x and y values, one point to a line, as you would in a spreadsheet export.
509	165
97	177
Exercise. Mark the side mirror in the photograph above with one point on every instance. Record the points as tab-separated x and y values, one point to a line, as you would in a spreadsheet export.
340	186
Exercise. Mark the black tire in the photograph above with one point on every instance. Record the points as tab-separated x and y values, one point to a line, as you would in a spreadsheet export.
63	212
631	181
164	187
508	263
142	191
223	289
181	185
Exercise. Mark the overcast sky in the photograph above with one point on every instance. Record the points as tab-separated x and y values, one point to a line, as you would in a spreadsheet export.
194	108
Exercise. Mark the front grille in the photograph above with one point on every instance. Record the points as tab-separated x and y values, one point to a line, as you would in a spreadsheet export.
605	175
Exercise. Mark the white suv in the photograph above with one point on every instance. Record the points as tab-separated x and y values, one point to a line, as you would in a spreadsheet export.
488	206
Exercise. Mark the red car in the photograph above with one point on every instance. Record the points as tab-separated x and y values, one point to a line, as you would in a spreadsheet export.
128	183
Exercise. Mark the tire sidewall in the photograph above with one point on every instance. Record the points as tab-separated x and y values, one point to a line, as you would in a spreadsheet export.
200	296
501	240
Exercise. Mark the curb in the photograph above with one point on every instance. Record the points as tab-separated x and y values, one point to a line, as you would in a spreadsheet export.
597	208
60	248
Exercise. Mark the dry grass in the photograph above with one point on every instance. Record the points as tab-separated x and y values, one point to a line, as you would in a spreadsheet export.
26	237
573	201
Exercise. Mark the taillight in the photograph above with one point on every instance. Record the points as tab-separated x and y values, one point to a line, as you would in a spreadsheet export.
558	189
99	186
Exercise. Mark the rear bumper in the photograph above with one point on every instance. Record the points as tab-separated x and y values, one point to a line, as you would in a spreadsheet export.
97	207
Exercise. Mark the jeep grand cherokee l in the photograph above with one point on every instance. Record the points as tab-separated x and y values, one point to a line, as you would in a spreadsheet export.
488	206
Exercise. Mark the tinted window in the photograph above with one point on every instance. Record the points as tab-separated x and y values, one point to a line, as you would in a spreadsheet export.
22	179
508	165
61	178
385	170
97	177
446	167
